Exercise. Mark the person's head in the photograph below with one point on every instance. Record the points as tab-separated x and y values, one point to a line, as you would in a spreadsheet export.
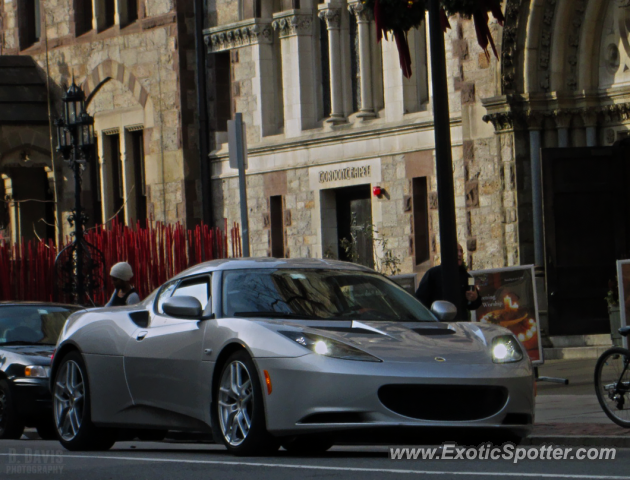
460	255
121	274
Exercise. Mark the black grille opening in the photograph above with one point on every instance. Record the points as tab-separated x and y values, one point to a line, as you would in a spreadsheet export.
333	417
434	331
362	331
517	419
444	402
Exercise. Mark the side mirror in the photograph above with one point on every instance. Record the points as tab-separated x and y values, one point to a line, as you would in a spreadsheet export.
183	307
443	310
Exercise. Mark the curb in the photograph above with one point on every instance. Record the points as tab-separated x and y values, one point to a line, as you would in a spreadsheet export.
618	441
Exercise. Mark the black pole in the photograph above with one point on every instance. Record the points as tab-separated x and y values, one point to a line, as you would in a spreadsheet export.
78	226
444	160
204	145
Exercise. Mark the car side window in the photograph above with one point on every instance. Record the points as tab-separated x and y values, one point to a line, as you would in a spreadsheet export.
198	287
165	293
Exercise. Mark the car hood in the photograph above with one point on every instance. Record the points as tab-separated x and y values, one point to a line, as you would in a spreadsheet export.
463	342
37	354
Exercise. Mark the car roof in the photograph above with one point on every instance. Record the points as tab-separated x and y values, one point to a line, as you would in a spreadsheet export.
271	263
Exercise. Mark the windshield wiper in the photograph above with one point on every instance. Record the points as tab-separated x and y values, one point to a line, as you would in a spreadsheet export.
275	314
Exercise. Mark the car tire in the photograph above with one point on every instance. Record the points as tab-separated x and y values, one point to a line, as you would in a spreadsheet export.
236	405
310	445
11	427
47	430
71	409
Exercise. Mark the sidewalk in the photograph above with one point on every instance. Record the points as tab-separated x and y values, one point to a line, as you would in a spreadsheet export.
570	414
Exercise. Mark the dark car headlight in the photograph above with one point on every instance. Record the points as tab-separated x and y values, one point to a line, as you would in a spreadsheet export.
328	347
506	349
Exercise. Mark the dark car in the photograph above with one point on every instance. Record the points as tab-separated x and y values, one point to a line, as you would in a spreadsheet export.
28	335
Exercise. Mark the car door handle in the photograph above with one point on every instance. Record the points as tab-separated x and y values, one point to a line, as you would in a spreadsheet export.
141	335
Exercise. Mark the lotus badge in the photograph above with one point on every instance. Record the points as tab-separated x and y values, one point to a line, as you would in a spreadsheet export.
440	359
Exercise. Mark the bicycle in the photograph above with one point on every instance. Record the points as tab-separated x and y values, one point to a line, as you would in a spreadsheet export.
612	382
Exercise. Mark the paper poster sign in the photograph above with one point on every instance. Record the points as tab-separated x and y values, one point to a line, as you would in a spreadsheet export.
508	298
623	279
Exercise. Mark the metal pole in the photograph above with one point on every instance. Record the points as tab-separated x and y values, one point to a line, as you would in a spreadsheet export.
240	156
537	199
204	146
444	161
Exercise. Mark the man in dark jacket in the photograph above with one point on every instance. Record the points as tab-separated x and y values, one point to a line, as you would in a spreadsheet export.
430	289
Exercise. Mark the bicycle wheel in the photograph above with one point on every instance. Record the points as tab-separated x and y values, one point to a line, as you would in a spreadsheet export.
612	384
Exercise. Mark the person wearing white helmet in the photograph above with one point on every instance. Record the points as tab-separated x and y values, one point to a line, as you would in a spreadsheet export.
124	294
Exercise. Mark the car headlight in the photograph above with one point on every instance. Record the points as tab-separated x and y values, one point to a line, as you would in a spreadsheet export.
506	349
328	347
36	371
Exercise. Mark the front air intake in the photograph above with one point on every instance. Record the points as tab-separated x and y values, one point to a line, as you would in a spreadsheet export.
455	403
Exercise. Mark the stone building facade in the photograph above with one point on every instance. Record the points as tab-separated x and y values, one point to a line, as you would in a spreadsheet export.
134	59
329	117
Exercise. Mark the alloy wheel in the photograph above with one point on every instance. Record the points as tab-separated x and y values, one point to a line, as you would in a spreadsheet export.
69	401
236	403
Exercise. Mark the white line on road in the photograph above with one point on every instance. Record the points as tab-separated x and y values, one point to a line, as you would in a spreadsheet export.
343	469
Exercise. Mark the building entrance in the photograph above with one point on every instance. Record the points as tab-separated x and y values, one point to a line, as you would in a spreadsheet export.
354	225
32	203
587	229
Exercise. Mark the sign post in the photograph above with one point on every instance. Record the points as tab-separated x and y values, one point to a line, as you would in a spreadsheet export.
238	159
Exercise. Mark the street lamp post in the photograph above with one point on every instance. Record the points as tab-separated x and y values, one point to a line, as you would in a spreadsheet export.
444	158
75	134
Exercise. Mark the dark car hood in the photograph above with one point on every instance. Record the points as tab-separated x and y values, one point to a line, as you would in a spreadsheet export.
38	354
465	342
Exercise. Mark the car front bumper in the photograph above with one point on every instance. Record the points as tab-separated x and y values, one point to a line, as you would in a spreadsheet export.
315	394
32	399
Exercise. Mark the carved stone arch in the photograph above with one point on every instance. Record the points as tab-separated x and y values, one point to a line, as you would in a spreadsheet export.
589	54
110	69
20	156
531	26
561	38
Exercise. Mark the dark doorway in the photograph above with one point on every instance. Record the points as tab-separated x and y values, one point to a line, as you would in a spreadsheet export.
277	227
33	203
420	220
354	221
137	148
586	198
112	158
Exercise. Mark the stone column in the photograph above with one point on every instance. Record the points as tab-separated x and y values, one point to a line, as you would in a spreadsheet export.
364	19
534	124
332	17
563	122
295	29
589	116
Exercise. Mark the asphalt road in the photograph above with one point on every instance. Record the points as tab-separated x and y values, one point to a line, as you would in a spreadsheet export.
32	459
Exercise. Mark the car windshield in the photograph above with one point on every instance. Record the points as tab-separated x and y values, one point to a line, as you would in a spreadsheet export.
31	324
318	295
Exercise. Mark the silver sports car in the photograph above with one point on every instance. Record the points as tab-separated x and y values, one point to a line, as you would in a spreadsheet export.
298	353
